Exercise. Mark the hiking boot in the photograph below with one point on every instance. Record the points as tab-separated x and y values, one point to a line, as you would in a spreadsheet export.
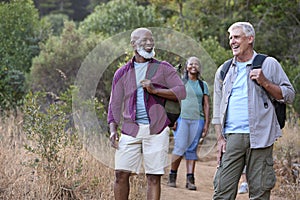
190	183
243	188
172	180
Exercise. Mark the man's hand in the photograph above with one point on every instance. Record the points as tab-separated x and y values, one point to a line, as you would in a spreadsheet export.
258	76
221	148
221	143
146	84
114	139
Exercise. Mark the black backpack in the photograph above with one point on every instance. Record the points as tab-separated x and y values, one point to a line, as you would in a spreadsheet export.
280	108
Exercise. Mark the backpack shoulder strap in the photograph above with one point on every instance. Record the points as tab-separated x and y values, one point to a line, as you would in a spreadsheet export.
201	85
258	61
184	80
256	64
225	68
152	70
150	73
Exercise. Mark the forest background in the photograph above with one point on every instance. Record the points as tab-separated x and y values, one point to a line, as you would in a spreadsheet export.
44	42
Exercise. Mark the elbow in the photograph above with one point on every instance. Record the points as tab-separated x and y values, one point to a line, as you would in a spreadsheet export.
288	95
180	93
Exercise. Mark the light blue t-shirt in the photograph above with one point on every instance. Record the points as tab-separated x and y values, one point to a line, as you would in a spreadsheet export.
140	73
194	96
237	112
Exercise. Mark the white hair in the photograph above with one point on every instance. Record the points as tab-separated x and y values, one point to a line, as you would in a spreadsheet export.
246	27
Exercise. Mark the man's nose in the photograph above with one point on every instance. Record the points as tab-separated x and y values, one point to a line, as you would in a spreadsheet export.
232	41
148	41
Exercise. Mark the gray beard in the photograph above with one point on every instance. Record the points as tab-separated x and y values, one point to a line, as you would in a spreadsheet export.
141	51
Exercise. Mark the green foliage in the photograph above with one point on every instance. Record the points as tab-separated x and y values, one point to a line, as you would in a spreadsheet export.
54	7
55	69
76	10
218	53
277	28
49	141
12	88
56	22
276	23
117	16
293	72
19	33
46	129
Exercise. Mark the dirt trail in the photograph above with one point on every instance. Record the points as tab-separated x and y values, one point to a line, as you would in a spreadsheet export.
204	173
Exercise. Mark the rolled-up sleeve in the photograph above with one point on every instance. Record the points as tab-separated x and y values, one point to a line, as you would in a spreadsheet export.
279	77
173	81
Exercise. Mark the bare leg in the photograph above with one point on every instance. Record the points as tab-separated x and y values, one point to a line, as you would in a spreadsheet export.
190	178
153	190
121	186
190	166
175	162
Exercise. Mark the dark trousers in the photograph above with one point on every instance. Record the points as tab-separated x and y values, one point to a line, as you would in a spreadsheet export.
260	173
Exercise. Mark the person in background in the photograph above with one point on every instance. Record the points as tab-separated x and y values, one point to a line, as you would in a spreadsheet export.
244	185
192	124
145	133
246	128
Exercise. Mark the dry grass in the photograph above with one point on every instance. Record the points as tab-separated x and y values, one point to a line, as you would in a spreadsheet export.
79	175
287	163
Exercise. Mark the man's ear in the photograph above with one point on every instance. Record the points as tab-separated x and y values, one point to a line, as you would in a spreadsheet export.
251	39
132	43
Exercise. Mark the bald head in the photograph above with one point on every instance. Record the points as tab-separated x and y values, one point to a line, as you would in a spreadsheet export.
142	42
137	33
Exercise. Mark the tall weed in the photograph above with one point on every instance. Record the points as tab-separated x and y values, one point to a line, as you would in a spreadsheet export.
40	159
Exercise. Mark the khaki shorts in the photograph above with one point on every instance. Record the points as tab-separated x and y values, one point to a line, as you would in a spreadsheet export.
150	149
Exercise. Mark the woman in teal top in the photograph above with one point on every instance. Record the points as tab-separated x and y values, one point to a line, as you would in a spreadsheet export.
192	124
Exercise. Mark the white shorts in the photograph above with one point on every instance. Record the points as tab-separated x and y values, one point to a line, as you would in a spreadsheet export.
152	149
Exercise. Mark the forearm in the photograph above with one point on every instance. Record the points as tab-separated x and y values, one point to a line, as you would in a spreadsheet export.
165	93
206	110
218	131
272	89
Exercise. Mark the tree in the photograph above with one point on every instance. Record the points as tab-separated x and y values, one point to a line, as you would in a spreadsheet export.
117	16
56	22
19	33
55	69
54	7
276	23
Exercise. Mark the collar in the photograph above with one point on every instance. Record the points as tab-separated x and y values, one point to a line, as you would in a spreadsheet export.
131	62
234	59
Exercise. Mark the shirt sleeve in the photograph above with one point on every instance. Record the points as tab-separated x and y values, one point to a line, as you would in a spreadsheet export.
217	97
116	99
206	90
174	81
276	74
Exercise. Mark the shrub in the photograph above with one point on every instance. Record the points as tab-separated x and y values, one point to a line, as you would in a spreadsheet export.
55	69
118	16
20	33
48	141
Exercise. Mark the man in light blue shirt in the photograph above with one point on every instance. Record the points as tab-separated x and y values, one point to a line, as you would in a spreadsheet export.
246	128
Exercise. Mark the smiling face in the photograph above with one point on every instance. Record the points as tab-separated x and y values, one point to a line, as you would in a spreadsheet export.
193	66
241	45
143	43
